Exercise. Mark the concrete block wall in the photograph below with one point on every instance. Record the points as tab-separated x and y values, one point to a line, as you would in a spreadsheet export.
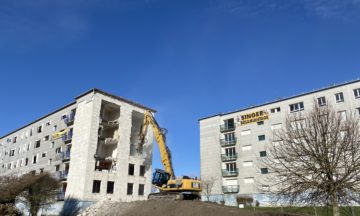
80	162
87	145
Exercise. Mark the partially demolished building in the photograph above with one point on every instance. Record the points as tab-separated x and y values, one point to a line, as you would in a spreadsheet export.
89	145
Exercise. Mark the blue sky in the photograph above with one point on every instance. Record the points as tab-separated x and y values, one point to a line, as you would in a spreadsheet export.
186	59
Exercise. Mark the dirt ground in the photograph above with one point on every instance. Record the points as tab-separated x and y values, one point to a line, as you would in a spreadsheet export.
168	208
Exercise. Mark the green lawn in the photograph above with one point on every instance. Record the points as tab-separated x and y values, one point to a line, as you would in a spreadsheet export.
320	211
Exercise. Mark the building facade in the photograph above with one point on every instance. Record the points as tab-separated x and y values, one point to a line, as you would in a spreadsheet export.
89	145
232	143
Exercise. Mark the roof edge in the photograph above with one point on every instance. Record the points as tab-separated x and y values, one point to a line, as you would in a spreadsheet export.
39	119
284	99
95	90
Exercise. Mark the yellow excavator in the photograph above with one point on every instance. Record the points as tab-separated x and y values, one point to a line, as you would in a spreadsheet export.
169	186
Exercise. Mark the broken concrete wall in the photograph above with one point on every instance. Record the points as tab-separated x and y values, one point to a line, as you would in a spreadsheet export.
106	144
136	124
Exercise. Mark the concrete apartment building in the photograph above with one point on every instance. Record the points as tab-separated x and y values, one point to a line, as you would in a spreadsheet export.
89	145
232	143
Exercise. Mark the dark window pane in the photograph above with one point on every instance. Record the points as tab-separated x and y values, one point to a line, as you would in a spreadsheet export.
96	186
141	189
129	188
131	169
260	123
263	154
142	170
110	187
264	170
261	137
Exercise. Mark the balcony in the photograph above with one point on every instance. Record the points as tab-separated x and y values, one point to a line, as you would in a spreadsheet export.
67	136
64	155
69	119
225	157
230	189
226	128
224	142
60	195
230	173
63	174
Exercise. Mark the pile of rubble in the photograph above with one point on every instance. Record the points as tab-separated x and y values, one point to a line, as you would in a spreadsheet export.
168	208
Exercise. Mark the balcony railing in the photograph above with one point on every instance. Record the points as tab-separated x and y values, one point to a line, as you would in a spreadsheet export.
60	195
230	189
225	128
63	174
225	157
68	136
224	142
64	155
230	173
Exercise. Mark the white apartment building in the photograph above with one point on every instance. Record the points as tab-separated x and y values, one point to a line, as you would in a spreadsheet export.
232	143
89	145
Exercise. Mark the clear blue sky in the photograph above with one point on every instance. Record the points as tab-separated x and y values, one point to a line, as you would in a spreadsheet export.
186	59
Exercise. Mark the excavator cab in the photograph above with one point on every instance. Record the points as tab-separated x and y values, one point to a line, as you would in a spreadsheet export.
160	177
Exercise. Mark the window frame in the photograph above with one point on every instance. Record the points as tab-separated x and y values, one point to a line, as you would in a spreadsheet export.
231	167
229	136
321	101
342	115
131	169
356	93
130	188
110	187
264	170
296	107
142	170
261	139
231	151
96	187
37	143
263	153
275	110
39	129
342	97
259	123
229	123
141	190
34	160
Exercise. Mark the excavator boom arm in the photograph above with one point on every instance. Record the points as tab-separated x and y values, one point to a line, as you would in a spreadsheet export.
160	139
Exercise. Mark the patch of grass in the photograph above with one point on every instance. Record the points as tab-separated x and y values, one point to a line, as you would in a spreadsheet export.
319	211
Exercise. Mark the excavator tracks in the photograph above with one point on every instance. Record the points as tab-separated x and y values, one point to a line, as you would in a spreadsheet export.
165	196
173	196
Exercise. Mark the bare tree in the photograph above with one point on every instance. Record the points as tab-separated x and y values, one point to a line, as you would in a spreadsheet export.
207	187
41	193
316	159
37	190
12	185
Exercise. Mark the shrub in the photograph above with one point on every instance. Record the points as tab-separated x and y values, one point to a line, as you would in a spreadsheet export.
9	209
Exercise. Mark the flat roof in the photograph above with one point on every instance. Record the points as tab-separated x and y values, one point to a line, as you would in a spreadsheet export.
283	99
95	90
